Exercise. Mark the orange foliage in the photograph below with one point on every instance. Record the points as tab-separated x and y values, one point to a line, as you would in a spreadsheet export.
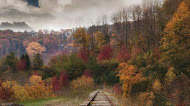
128	75
146	99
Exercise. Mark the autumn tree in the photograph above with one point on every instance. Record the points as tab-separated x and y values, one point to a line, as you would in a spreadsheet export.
128	75
176	41
83	54
22	63
170	6
35	48
99	39
123	55
106	53
81	38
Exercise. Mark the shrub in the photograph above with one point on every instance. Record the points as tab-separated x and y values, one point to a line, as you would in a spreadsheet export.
19	93
5	93
63	79
117	89
11	90
37	88
55	84
146	99
82	83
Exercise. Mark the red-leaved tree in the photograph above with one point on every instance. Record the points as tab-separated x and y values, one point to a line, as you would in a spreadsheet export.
123	55
83	54
21	65
106	53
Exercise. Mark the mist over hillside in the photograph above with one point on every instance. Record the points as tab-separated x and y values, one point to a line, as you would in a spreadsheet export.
16	26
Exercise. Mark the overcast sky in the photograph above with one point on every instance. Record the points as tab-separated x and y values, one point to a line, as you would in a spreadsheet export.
59	14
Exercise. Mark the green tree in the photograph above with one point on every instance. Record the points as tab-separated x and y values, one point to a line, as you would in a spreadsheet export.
11	61
37	62
28	63
74	67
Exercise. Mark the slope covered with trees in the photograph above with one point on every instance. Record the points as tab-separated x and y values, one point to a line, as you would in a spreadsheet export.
143	57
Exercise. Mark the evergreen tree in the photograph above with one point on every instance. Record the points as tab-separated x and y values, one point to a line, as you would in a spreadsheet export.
28	64
37	62
11	61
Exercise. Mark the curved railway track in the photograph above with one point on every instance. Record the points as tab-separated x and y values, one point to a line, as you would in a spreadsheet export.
99	98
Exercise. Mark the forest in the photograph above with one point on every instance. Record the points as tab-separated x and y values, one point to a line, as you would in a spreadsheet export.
143	58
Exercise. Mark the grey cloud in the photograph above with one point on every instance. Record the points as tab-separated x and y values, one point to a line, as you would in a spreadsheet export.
57	14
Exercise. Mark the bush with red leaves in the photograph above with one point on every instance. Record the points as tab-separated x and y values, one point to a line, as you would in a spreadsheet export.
63	79
5	94
117	89
55	84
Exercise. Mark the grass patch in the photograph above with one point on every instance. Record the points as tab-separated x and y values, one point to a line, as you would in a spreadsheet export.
66	97
39	102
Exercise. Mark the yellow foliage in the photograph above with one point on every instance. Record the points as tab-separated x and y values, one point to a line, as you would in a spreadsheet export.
81	38
128	76
176	41
37	88
182	13
157	85
19	92
146	99
35	79
99	39
35	48
8	84
170	75
34	90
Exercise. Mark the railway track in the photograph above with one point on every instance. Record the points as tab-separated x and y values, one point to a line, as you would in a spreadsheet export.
99	98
